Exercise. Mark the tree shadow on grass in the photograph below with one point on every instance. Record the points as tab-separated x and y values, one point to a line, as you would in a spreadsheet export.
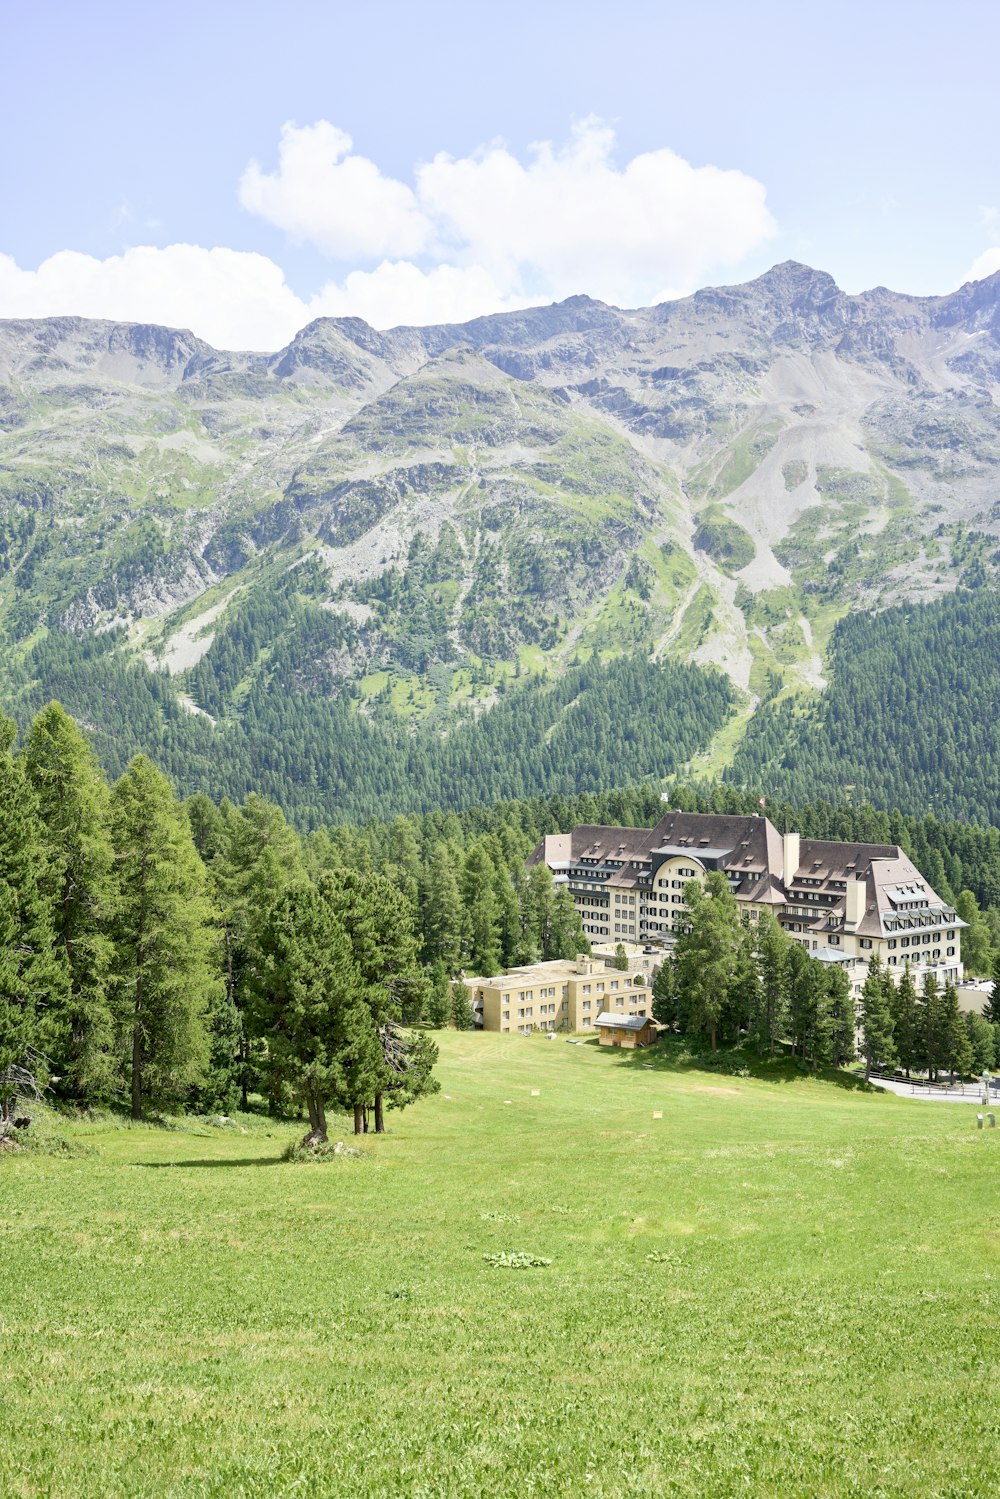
258	1160
674	1054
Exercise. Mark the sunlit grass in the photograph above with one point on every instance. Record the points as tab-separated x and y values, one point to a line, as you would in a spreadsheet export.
783	1286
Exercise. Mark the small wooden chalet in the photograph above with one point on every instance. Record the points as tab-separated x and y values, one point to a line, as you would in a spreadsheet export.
628	1031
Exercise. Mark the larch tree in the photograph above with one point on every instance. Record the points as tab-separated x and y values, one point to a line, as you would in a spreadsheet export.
74	807
165	983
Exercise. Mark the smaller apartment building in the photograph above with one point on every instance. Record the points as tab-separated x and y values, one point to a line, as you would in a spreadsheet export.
558	996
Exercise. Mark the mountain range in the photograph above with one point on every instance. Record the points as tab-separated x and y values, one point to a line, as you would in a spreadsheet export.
378	568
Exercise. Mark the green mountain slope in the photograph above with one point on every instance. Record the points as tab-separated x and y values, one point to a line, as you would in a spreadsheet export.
339	563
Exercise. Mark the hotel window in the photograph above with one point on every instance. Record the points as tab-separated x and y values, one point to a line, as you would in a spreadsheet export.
586	1004
866	942
505	1015
586	988
950	936
600	988
614	984
951	952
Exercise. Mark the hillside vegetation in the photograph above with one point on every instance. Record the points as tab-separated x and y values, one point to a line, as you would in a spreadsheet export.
759	1292
292	570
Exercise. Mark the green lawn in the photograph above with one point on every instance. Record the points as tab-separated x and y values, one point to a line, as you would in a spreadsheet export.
782	1287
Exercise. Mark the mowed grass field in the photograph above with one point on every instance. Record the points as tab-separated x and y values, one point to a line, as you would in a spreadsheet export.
184	1314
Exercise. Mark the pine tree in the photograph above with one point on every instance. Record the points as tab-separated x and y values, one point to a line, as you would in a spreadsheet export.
991	1009
34	980
707	952
931	1025
566	935
976	954
309	1008
164	982
876	1021
257	855
75	811
841	1017
378	921
747	995
481	918
665	993
621	957
462	1017
441	909
437	1009
982	1044
773	948
958	1049
905	1022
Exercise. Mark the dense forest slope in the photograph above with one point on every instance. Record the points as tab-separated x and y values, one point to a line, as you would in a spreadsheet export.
562	547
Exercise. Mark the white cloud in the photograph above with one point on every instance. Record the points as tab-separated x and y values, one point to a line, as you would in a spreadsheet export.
400	292
983	265
231	298
338	202
574	221
235	299
469	236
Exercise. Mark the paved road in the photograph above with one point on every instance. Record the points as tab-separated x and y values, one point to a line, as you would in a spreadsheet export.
970	1094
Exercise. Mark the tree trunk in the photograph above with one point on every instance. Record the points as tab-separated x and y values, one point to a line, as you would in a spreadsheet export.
379	1119
713	1038
136	1069
365	1117
359	1118
317	1117
244	1101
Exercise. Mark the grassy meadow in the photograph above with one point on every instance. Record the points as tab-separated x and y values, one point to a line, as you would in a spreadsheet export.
783	1286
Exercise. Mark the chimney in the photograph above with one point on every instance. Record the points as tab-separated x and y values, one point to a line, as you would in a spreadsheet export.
854	907
790	857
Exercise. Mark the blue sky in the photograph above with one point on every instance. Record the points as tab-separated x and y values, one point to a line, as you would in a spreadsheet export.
398	169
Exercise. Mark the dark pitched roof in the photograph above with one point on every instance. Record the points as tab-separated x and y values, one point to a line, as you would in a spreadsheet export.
622	1022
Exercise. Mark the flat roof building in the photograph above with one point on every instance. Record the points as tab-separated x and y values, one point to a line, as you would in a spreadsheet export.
558	995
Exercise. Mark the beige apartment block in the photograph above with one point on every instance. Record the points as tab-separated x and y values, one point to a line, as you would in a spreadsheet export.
557	996
845	902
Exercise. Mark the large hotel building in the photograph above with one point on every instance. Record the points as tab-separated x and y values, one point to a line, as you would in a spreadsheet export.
844	901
